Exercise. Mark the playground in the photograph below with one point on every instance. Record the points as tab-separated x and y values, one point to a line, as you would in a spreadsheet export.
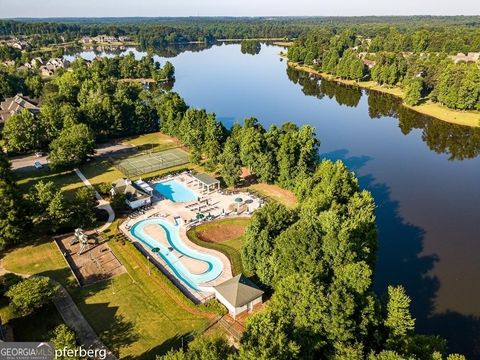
150	162
89	257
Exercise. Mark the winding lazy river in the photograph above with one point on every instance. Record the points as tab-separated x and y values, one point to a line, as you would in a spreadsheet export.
194	268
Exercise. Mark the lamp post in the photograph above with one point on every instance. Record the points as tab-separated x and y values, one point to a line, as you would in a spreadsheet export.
148	260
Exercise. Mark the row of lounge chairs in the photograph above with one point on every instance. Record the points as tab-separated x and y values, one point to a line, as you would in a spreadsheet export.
140	211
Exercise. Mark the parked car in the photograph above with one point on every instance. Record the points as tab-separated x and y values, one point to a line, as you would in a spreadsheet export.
37	165
38	154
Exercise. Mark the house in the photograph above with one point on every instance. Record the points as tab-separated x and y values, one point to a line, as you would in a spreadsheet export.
86	40
136	193
238	294
105	39
369	64
470	57
16	104
45	71
37	62
124	39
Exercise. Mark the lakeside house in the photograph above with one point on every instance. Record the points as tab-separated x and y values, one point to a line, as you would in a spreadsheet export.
53	65
238	294
16	104
369	64
470	57
137	193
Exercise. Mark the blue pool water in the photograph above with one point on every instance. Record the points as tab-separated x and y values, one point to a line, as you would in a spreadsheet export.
175	191
215	266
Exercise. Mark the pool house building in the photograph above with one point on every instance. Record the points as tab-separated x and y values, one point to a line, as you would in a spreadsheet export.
137	193
206	182
238	294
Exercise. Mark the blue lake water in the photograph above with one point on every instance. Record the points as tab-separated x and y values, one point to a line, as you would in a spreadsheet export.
423	173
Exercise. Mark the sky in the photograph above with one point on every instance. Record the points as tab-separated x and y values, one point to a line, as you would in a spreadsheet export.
118	8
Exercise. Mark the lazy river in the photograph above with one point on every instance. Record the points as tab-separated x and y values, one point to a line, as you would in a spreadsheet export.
193	267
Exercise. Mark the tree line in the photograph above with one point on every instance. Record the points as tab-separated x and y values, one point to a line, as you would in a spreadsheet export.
415	60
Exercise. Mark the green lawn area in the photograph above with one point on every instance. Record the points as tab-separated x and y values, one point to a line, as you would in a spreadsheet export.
65	180
276	193
222	235
138	315
135	314
153	141
41	258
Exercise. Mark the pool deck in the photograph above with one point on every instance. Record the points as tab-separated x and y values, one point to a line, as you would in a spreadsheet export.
219	205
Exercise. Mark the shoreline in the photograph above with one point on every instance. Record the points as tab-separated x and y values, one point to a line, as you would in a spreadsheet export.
437	111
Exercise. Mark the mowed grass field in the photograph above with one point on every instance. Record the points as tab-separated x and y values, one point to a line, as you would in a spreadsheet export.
135	314
226	236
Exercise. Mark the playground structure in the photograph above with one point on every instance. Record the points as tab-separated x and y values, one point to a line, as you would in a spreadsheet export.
81	238
89	257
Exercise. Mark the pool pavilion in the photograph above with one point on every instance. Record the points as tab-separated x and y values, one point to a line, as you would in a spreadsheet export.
206	182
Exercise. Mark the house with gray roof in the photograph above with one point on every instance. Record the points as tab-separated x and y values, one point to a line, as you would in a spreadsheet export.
136	195
16	104
238	294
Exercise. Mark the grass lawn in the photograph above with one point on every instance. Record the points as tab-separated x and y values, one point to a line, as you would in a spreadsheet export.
135	314
42	258
275	193
65	180
226	236
156	141
138	315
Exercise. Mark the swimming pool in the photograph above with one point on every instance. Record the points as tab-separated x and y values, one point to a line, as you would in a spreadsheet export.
211	264
175	191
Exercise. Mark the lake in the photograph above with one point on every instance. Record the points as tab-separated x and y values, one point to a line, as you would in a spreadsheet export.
423	173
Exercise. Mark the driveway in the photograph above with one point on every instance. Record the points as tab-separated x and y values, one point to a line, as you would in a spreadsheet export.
25	162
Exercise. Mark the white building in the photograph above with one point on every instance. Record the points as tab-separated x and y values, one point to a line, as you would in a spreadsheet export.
238	294
137	194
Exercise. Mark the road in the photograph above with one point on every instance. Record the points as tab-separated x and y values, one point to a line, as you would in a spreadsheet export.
25	162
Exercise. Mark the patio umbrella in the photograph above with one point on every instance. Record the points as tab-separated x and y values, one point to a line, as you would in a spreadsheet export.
200	216
238	200
155	250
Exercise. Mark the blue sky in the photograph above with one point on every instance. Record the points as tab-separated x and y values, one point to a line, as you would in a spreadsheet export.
91	8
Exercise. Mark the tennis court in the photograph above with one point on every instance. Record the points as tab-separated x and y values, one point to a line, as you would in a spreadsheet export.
143	164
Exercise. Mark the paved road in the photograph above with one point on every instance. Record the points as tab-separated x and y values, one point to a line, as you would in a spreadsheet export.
25	162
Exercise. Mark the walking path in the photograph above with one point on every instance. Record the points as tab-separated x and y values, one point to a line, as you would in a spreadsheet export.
103	204
75	320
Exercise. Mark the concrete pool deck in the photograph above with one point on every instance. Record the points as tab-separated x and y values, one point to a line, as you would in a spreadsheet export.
220	205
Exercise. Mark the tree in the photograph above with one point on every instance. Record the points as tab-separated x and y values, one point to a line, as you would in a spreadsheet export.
12	220
40	196
63	337
230	166
72	146
399	321
83	207
413	91
31	294
23	132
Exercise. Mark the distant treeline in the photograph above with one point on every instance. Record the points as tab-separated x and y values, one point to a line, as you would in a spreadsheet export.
160	31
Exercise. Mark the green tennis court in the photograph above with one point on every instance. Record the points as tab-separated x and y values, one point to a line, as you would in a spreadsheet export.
143	164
